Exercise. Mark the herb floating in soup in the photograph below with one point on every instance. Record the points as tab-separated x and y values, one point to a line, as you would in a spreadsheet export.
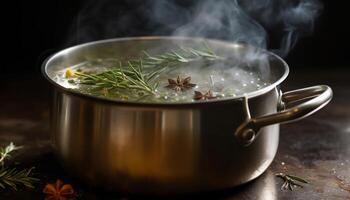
180	75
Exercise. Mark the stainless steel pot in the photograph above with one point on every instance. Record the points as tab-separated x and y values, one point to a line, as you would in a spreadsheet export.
171	148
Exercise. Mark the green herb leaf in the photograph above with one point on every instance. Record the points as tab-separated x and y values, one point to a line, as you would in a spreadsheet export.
5	152
176	57
13	178
140	75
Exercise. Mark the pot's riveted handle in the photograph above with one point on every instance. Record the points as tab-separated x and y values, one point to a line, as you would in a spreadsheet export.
305	102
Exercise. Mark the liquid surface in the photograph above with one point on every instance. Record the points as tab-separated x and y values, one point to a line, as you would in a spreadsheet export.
216	80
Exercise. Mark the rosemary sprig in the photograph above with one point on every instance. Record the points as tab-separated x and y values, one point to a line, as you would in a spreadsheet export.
291	181
139	75
182	55
131	76
5	152
13	178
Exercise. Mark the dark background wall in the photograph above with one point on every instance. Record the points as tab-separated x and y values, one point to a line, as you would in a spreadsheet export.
35	29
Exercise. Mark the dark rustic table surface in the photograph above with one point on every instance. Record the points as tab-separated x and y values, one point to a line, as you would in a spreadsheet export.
317	148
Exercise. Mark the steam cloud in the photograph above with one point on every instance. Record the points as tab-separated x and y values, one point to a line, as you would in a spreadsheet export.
244	21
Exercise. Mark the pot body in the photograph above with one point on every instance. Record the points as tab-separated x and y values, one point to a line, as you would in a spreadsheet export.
161	150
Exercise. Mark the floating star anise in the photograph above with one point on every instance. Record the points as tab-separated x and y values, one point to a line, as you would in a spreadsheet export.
203	96
59	191
180	84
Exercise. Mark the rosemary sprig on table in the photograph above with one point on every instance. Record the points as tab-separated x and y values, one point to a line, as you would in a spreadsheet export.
291	181
11	176
5	152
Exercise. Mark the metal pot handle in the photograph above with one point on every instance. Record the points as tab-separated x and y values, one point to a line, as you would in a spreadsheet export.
295	104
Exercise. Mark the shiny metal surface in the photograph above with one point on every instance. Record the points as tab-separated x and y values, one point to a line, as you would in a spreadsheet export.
159	149
320	96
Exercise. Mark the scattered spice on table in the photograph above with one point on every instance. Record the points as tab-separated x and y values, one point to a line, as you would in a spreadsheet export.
59	191
291	181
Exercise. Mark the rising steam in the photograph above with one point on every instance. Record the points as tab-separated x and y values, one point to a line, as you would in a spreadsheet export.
246	21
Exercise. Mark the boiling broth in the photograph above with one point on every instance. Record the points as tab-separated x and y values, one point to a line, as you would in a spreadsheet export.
220	78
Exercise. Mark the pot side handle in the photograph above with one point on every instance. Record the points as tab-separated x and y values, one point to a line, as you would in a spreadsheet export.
296	105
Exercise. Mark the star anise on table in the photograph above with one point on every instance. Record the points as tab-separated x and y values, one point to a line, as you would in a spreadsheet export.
180	84
203	96
59	191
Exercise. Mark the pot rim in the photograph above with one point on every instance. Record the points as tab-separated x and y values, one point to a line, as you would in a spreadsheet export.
167	104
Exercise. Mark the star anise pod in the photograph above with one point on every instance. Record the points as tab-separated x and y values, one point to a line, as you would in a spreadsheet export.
180	84
59	191
203	96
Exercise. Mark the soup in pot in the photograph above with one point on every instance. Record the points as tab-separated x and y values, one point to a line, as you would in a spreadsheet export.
180	75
